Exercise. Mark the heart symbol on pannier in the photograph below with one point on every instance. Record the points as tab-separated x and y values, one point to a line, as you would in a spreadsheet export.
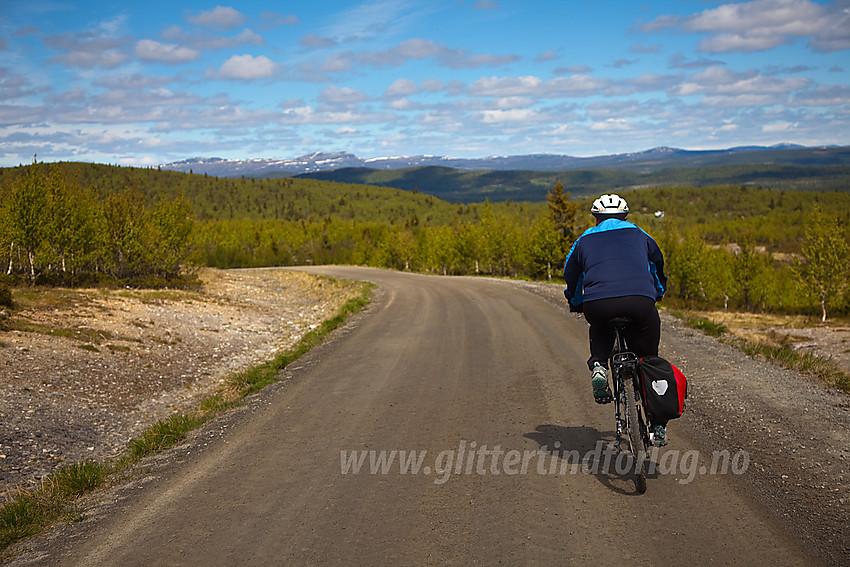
660	386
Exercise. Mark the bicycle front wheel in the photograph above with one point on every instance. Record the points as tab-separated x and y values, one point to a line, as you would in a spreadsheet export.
635	440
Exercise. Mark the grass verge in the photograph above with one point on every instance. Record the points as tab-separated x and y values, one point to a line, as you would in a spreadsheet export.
53	499
34	509
822	368
780	353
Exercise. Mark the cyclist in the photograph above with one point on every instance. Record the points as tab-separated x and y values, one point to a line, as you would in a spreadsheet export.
615	269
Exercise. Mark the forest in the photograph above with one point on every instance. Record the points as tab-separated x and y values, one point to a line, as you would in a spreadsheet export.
726	247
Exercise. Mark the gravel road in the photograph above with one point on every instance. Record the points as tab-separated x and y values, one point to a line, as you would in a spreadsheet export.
485	381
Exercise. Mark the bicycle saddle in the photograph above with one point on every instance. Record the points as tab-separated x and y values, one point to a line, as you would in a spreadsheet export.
619	322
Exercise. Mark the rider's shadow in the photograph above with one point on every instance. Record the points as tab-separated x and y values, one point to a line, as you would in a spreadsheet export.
586	450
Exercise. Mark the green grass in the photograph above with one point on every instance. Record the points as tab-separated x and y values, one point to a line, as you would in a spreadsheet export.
781	354
707	326
785	356
35	509
84	334
164	434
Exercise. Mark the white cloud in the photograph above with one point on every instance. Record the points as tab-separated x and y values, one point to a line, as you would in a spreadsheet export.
247	67
741	100
418	48
403	104
547	55
347	132
679	61
721	81
219	18
572	70
313	41
337	63
309	115
134	81
506	86
615	124
89	59
342	96
778	127
761	25
574	86
168	53
206	41
88	49
401	87
823	95
512	115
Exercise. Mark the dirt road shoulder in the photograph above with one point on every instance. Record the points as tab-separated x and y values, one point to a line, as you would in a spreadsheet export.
84	371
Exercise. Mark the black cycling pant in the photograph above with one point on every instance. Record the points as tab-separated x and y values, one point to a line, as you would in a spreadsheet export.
642	336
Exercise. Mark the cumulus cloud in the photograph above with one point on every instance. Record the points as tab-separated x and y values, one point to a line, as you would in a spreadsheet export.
765	24
401	87
342	96
823	95
418	48
13	85
90	59
679	61
309	115
313	41
88	49
134	81
522	115
616	124
572	70
620	63
574	86
547	55
337	63
168	53
721	81
247	67
205	41
646	82
641	48
219	18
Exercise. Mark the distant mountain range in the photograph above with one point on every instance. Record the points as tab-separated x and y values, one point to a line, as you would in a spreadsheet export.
639	162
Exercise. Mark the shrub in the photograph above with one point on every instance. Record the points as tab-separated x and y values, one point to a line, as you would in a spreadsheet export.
5	296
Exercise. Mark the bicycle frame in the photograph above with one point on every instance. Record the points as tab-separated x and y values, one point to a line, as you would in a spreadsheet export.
629	420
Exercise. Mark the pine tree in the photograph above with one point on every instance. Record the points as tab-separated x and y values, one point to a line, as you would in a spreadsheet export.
562	211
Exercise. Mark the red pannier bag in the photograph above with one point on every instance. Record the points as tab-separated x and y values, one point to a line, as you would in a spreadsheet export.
663	388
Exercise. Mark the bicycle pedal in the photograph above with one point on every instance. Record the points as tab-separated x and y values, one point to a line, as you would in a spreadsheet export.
601	400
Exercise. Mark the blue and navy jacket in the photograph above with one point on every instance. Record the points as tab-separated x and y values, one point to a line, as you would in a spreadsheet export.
613	259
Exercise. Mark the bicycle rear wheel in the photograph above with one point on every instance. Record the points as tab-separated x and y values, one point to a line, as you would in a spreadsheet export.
635	440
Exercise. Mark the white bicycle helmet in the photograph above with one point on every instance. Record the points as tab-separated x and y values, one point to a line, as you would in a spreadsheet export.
610	205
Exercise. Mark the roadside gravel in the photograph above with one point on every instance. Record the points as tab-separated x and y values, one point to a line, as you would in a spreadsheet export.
120	360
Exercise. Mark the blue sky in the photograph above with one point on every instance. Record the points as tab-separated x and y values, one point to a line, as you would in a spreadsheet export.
143	83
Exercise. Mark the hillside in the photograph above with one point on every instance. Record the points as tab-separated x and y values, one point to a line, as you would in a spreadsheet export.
105	222
473	186
217	198
639	162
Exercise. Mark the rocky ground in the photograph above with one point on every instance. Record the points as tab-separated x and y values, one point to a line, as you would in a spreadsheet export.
84	371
